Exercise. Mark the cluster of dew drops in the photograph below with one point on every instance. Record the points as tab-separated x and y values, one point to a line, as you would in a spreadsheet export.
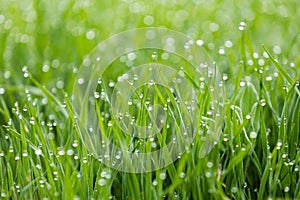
255	59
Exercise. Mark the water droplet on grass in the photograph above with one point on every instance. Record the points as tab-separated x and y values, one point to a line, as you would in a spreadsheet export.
221	51
225	77
182	175
228	44
102	182
253	134
70	152
26	74
111	84
286	189
242	83
279	144
2	90
80	81
262	102
45	68
154	183
90	35
162	175
208	174
277	49
61	152
148	20
38	152
209	164
234	190
32	121
199	42
131	56
261	62
7	74
269	78
242	25
154	56
153	145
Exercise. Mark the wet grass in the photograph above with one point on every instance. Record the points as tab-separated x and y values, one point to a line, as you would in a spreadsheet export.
42	45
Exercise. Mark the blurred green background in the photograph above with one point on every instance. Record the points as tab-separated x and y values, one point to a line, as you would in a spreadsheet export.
52	37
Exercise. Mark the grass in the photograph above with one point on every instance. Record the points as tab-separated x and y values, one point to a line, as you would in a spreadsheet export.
42	45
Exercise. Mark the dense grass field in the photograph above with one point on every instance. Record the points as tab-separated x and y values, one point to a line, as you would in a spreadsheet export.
255	46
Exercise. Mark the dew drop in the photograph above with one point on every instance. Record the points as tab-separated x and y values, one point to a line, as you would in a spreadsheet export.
24	68
129	102
80	81
253	135
26	74
154	56
234	190
286	189
70	152
102	182
250	62
96	95
111	84
90	35
199	42
181	73
153	145
277	49
109	124
209	164
2	90
261	62
242	83
131	56
228	44
151	83
38	152
208	174
221	51
279	144
154	183
46	68
7	74
32	121
61	152
182	175
162	175
262	102
242	26
269	78
225	77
